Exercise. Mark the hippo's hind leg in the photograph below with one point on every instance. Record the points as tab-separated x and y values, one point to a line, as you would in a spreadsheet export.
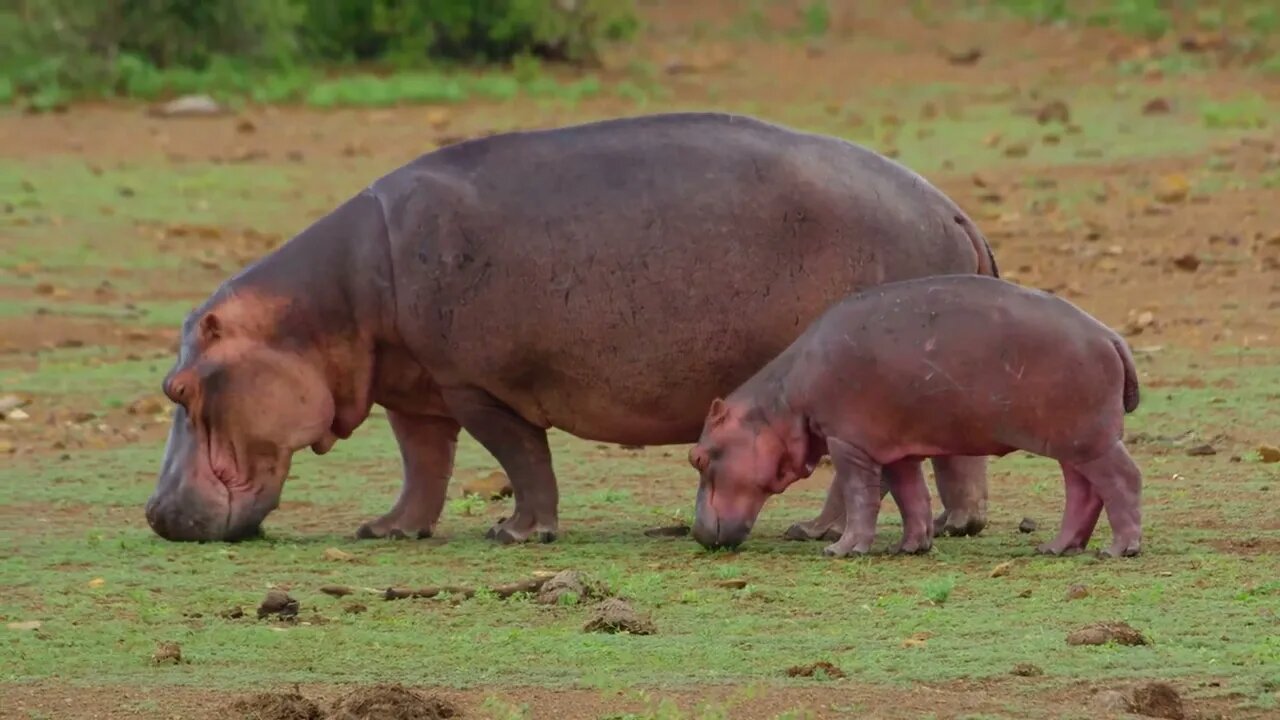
521	448
1118	481
906	482
962	488
427	445
1083	506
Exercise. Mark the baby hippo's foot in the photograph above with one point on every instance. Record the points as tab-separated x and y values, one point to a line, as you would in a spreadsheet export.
1122	547
915	541
397	524
520	528
959	522
1064	545
849	545
814	530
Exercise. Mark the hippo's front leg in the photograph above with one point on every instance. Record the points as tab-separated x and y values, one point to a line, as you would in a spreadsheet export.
962	488
427	446
858	479
829	524
521	449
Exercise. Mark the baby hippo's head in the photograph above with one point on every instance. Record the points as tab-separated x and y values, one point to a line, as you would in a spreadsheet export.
742	459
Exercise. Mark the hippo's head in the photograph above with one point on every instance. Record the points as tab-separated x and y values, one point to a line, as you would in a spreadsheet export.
742	458
247	399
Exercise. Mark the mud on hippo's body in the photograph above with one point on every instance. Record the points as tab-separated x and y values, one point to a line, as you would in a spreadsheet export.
927	368
606	279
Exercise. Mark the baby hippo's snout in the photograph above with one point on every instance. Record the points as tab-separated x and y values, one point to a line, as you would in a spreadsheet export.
713	530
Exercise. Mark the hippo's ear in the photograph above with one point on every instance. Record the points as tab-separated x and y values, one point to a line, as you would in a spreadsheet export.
210	327
718	412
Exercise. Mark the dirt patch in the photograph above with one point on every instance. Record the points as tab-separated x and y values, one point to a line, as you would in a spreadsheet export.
1119	633
614	616
278	603
276	706
167	653
390	702
1157	699
820	669
1027	670
570	583
1248	546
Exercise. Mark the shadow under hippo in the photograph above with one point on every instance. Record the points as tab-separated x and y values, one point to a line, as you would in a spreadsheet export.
608	279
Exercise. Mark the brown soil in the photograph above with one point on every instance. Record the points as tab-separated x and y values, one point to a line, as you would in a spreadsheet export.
1119	633
1157	699
390	702
276	706
614	616
818	669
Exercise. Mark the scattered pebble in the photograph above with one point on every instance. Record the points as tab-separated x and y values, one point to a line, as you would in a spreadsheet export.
1027	525
1055	111
1077	592
234	613
735	584
820	669
1157	106
969	56
188	106
169	653
1002	569
1269	454
1027	670
569	582
1188	262
614	615
1119	633
278	602
336	555
1201	450
493	486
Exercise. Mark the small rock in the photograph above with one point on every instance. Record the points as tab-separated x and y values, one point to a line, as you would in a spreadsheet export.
1173	189
735	584
1017	150
17	415
1157	106
1157	699
24	625
1188	262
246	126
1269	454
1201	450
614	615
234	613
1026	670
9	403
167	653
969	56
1102	633
147	406
494	486
278	602
1111	702
822	668
335	555
1002	569
438	118
1077	592
189	106
1027	525
918	640
97	582
1055	111
336	590
1025	593
43	288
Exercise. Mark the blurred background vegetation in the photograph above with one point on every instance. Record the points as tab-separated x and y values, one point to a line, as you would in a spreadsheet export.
51	50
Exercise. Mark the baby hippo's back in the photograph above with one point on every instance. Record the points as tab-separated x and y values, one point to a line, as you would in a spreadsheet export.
964	365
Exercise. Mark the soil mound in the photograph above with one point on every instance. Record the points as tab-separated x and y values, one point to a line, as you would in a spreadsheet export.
614	615
275	706
390	702
818	669
1102	633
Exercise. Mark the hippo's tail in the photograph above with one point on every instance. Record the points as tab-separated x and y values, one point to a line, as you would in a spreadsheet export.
986	258
1130	375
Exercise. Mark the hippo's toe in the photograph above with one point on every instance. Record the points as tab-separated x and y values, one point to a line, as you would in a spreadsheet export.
958	523
374	531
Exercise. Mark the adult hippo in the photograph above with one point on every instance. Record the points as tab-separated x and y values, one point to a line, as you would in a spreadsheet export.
607	279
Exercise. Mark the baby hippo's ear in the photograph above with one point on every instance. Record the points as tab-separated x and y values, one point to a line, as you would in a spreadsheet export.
718	412
698	458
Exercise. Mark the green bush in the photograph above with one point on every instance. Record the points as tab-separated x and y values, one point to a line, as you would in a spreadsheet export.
150	48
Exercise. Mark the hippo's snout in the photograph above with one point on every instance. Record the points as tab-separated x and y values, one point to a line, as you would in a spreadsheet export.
717	534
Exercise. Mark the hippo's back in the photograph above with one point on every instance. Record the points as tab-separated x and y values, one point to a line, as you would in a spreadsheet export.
610	279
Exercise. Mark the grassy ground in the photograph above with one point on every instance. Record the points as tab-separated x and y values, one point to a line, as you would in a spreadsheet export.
113	224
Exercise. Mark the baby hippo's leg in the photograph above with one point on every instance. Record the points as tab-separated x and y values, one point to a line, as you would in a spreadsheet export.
829	524
1116	478
906	482
858	480
1079	517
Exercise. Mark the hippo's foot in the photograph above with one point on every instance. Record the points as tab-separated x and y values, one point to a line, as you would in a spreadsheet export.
846	546
394	526
959	522
1060	548
812	531
1122	547
914	545
517	529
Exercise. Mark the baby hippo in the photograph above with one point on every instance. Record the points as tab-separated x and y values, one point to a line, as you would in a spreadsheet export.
937	366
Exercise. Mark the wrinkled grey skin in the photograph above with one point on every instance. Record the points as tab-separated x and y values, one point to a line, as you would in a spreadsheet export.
607	279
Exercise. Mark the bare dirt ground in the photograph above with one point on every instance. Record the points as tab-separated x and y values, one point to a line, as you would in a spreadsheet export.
1179	248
